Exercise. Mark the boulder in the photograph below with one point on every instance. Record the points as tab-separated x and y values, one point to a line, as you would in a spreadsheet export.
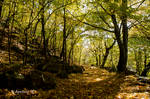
144	79
52	67
34	80
75	69
62	74
39	79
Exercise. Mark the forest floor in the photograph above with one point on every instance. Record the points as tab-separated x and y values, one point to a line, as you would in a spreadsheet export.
94	83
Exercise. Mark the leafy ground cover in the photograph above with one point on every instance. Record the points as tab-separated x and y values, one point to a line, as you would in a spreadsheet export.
94	83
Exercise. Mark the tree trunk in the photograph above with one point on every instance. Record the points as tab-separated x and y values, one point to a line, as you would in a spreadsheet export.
26	40
123	44
125	32
146	69
121	67
146	66
10	34
99	56
122	60
1	5
137	59
26	48
72	55
105	58
80	55
106	54
112	62
43	30
55	37
96	60
145	57
63	54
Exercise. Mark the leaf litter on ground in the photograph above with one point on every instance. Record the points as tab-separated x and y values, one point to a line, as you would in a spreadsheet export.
94	83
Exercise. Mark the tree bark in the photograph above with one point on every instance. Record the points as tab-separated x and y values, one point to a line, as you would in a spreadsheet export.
146	69
80	55
96	60
123	44
107	53
99	57
1	5
146	66
26	40
125	32
26	47
138	60
43	29
63	53
121	67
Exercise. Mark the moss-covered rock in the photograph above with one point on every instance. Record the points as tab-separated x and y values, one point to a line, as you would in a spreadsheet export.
62	74
34	80
52	67
75	69
39	79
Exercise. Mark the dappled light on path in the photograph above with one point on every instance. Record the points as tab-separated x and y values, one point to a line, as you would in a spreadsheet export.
96	83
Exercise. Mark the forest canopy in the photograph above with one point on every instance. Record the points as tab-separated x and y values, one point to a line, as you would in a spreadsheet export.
111	33
103	33
78	48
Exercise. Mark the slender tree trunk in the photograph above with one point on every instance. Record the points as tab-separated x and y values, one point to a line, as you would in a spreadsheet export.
125	31
63	54
69	55
9	41
25	55
9	37
105	58
9	45
80	55
107	53
146	66
138	57
96	60
1	5
99	57
145	57
72	56
43	30
26	48
55	37
146	69
112	62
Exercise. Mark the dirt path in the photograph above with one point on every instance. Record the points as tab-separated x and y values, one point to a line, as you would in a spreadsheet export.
97	83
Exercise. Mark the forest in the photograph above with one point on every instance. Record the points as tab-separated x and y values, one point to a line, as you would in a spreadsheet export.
75	49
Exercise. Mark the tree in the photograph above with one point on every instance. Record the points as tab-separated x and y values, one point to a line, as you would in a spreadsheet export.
43	27
118	12
107	49
1	5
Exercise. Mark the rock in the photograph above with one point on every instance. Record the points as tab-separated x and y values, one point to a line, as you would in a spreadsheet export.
92	67
34	80
62	74
53	68
40	80
3	80
129	72
75	69
144	79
